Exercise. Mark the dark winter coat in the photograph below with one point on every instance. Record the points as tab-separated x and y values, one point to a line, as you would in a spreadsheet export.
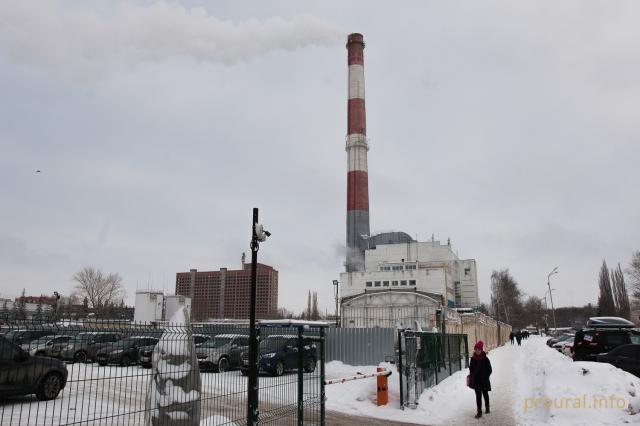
480	370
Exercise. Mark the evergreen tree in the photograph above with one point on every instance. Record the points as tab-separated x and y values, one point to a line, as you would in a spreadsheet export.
620	294
606	303
308	313
315	314
22	307
38	315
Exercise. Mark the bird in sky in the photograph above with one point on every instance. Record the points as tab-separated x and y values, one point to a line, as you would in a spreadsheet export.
38	171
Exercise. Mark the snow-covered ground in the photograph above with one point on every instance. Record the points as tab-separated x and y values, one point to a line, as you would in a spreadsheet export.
566	392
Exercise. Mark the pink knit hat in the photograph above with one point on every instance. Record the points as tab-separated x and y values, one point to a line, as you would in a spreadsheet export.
479	345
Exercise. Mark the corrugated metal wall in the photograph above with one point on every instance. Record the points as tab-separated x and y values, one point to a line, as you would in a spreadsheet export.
360	346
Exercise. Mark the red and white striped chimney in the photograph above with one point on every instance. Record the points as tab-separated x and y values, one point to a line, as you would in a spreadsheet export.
357	147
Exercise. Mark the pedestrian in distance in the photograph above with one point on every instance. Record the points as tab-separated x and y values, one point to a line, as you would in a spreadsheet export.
511	336
518	337
478	379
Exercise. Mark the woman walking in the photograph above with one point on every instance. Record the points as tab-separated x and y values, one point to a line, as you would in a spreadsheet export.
479	372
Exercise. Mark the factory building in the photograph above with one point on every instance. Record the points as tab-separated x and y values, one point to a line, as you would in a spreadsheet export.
389	277
226	293
423	267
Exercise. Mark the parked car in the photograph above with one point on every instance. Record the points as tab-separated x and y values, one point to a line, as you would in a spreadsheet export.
625	357
77	349
279	353
605	334
200	339
145	353
217	353
565	344
21	337
124	352
24	374
44	345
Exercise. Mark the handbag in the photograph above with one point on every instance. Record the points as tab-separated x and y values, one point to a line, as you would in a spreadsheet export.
469	381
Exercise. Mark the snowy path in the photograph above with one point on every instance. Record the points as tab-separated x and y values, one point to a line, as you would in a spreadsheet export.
532	385
503	361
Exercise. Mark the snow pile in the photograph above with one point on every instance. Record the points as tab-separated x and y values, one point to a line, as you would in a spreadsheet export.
552	389
436	405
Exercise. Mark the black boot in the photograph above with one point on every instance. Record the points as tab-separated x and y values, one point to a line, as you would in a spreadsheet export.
486	409
479	414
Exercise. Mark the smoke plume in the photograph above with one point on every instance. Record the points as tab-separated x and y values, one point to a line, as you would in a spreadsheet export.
81	40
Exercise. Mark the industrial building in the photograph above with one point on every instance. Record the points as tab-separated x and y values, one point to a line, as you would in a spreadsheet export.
389	277
226	293
155	305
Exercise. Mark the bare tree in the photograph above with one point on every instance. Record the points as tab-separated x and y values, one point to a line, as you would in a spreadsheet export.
620	293
506	299
99	289
633	272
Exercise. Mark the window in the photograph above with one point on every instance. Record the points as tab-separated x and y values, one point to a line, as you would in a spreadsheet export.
385	268
385	283
467	271
397	268
8	351
410	267
394	283
369	283
377	284
412	282
403	282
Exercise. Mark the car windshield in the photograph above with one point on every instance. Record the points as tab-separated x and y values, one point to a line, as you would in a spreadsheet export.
13	334
273	343
83	337
42	340
216	342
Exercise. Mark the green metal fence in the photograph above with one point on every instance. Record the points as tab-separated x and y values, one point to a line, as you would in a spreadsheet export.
106	372
427	358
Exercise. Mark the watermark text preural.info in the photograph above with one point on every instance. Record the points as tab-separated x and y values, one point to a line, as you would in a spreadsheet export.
582	402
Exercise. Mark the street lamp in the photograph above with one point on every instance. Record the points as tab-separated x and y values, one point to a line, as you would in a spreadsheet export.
258	234
335	284
553	310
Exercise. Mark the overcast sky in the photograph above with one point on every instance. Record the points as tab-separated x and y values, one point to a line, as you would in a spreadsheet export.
511	128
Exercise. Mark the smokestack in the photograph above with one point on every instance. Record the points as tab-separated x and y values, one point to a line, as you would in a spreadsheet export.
357	147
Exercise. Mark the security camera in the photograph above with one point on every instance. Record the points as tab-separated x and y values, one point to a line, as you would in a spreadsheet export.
261	233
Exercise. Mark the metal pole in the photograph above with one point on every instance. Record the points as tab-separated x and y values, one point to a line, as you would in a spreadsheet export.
553	310
400	370
322	377
300	378
335	283
252	387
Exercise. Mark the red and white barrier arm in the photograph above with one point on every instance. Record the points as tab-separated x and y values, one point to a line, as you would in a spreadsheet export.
385	372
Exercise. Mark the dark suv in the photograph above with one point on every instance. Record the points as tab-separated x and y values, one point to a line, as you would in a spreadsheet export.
217	354
125	351
23	374
602	335
279	353
625	357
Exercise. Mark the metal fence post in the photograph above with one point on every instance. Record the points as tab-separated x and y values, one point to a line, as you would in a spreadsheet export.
400	372
252	383
449	353
322	376
300	378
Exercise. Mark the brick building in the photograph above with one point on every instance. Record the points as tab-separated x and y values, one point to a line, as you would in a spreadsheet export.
226	293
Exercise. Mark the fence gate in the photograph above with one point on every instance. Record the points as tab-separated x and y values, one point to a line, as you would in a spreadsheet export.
427	358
